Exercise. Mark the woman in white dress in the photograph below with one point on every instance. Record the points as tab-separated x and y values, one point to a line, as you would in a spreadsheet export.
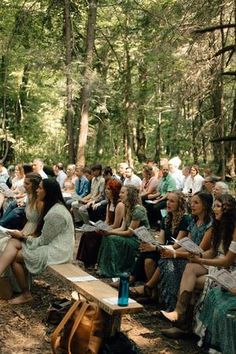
32	211
54	245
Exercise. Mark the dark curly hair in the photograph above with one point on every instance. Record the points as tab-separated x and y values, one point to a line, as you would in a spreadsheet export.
223	229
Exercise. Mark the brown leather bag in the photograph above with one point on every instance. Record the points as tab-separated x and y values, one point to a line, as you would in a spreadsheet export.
82	330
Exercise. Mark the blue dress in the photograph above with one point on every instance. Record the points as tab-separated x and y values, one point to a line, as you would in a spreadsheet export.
172	269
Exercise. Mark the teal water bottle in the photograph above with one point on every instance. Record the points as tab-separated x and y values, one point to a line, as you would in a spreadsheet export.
123	296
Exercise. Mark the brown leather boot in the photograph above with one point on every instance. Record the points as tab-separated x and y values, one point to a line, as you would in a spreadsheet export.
183	326
183	307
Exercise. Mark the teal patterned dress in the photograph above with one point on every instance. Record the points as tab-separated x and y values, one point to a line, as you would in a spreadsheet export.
219	317
117	253
172	269
216	313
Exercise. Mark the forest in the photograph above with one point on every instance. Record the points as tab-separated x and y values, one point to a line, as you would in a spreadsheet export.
118	80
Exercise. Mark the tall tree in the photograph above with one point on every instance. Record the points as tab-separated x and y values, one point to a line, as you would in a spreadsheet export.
69	102
87	85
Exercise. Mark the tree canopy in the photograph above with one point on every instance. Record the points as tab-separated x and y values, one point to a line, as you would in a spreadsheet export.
118	80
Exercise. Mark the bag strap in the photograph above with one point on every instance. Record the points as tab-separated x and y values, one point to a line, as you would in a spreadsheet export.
54	335
76	324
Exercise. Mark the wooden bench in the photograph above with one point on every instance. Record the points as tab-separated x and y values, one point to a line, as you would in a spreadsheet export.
98	292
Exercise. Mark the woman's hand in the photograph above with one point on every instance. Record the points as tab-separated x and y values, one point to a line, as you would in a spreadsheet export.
146	247
233	291
194	259
105	233
166	253
15	233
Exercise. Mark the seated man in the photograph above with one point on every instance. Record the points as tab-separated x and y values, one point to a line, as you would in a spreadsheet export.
59	172
82	186
156	202
80	208
131	178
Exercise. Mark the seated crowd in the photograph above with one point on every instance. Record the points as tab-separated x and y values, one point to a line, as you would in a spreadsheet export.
40	215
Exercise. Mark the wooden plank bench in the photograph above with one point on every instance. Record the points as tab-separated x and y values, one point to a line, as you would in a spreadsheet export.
97	291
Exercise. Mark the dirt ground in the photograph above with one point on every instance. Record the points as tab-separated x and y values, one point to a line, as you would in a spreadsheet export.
23	328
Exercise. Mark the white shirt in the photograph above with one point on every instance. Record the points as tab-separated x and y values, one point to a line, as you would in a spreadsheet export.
133	180
193	183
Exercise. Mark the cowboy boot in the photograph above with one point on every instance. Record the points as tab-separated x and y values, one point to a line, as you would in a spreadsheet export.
180	310
183	326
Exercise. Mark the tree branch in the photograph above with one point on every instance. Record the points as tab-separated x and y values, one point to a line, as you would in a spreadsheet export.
228	48
230	73
214	28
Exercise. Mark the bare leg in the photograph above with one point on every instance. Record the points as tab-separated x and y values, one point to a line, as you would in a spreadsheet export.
1	200
188	282
153	281
9	254
149	267
21	277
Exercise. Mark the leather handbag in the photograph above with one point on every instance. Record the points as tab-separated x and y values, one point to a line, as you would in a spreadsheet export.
82	330
57	311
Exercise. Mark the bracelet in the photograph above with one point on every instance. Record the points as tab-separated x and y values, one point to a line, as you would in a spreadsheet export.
174	254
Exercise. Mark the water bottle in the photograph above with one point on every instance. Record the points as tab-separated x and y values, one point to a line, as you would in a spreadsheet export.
123	296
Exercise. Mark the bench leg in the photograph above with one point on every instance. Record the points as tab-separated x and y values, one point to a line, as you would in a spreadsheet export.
113	323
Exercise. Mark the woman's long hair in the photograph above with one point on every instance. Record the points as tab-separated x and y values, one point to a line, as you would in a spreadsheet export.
53	196
223	229
133	198
173	220
34	179
115	187
207	200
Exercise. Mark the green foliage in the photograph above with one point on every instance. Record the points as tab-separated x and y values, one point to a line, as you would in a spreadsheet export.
148	63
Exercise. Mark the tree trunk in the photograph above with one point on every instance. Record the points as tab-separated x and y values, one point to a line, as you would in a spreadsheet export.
69	102
4	90
141	117
21	104
86	90
128	133
230	147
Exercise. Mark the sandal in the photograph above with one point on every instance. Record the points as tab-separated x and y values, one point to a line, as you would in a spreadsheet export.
141	291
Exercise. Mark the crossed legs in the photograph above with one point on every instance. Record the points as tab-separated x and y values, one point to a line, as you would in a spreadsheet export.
12	256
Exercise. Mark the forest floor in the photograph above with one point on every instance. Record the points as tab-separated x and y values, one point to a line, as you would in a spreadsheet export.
24	329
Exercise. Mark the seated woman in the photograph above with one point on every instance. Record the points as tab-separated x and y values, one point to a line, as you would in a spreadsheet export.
54	245
69	183
193	182
149	182
218	317
173	262
90	241
221	254
120	247
175	224
17	189
33	210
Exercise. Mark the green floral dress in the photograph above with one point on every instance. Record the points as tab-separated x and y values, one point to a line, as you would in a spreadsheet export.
117	253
